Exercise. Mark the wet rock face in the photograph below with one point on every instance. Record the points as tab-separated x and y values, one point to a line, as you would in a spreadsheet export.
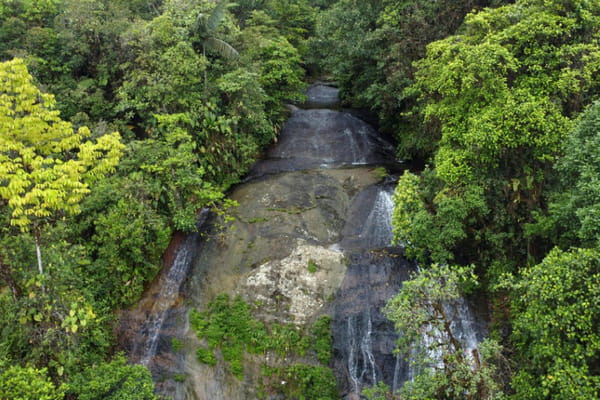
281	223
280	253
325	139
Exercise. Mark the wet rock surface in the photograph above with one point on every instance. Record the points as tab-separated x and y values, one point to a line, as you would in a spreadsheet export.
284	223
319	138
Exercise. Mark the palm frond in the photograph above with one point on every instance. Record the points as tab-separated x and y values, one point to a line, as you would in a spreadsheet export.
221	47
216	16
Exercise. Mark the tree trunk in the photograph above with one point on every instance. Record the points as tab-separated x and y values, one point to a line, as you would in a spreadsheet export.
447	323
38	252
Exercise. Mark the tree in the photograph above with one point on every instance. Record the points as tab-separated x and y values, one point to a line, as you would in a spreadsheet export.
204	30
556	329
423	312
37	12
163	75
344	46
45	166
244	8
281	74
173	166
370	48
295	20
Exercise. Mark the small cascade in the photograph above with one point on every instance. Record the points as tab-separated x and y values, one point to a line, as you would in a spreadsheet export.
355	146
322	138
362	367
465	327
366	348
321	96
371	227
377	231
352	356
399	373
168	295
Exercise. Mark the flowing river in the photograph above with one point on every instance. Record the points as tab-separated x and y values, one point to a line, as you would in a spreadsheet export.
318	196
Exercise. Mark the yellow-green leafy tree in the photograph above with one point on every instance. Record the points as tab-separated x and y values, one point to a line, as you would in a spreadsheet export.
46	167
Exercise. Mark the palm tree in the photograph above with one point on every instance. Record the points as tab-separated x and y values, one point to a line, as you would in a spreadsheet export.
204	30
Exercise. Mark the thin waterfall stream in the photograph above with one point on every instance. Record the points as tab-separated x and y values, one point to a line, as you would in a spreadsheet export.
317	197
169	292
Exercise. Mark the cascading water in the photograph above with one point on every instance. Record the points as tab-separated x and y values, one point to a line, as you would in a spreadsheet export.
364	339
167	296
145	347
321	138
315	198
377	230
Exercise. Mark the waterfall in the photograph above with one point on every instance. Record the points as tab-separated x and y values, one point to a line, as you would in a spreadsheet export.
167	296
397	373
363	338
377	230
361	363
366	347
314	192
352	359
465	327
169	292
366	351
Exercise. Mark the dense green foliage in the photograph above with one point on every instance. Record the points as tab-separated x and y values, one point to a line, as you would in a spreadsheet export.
573	211
322	339
556	329
230	331
503	103
370	47
301	382
228	326
196	90
22	383
45	166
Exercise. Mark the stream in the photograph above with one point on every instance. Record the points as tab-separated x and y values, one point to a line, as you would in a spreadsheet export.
317	196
